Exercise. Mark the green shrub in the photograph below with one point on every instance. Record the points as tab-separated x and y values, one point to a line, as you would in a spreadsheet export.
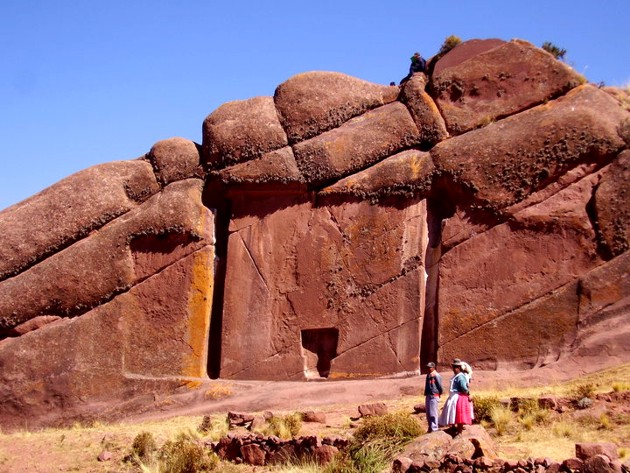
449	43
501	418
526	406
375	444
563	429
554	50
185	456
285	427
143	446
370	457
396	426
584	390
604	422
483	406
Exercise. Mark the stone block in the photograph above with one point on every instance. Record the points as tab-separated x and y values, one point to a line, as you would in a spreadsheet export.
176	159
496	83
357	144
240	131
69	210
508	160
314	102
167	227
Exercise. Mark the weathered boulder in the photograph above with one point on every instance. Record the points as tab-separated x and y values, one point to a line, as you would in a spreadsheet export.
314	102
424	111
276	167
324	454
465	51
480	440
167	227
599	464
407	173
312	416
151	339
175	159
253	454
586	450
496	83
321	291
69	210
560	229
431	446
358	143
241	130
611	205
374	409
508	160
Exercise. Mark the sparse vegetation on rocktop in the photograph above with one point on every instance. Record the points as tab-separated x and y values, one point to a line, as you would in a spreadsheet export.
554	50
449	43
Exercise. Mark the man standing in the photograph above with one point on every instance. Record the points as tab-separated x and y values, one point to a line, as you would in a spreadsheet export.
432	392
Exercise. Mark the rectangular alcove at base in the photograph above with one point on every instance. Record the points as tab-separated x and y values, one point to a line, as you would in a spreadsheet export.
319	347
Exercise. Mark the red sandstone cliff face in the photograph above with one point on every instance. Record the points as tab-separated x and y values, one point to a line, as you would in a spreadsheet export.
338	229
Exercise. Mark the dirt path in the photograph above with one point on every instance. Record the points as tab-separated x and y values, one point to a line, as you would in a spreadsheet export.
255	396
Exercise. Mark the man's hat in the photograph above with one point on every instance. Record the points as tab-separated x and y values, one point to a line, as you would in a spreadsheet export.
430	365
457	362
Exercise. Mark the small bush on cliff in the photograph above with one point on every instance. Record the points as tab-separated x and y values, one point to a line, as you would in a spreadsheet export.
554	50
449	43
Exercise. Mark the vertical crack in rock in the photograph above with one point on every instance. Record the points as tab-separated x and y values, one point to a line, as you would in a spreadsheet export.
436	212
591	211
214	198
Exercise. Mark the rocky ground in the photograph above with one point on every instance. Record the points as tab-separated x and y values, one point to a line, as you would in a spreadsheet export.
335	415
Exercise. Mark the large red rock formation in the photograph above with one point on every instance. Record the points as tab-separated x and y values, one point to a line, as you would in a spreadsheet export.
333	230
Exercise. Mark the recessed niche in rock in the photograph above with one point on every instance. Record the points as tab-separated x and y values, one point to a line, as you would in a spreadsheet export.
319	348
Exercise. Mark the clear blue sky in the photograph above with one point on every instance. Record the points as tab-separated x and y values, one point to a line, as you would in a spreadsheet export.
86	82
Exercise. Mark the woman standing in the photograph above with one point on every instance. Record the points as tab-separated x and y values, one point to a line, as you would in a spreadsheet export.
457	410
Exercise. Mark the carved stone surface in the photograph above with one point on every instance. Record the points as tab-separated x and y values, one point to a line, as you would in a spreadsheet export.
353	268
